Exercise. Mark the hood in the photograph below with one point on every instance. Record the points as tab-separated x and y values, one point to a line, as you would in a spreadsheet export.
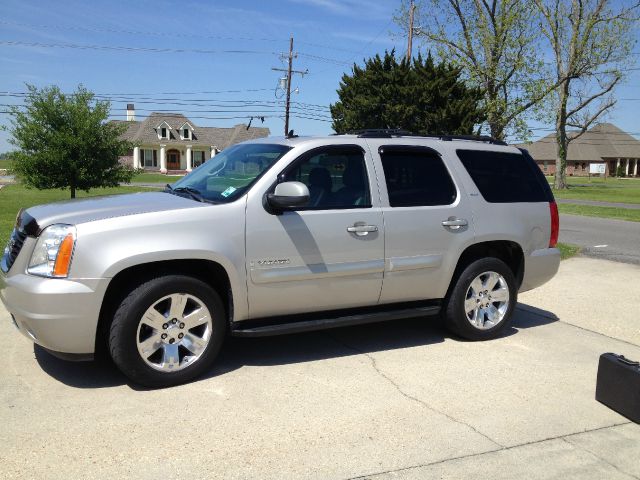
99	208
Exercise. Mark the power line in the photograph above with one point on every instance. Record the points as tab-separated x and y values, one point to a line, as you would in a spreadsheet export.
124	48
167	35
130	49
125	98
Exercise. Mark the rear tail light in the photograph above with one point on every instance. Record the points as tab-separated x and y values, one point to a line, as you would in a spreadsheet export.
555	224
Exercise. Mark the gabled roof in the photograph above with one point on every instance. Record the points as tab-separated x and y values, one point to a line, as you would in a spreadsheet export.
188	124
144	132
603	141
163	123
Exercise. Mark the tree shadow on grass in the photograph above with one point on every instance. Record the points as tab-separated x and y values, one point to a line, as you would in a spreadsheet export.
294	348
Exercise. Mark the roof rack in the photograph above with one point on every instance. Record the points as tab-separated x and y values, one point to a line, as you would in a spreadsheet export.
394	132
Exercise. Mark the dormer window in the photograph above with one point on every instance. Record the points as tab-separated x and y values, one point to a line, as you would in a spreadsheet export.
164	131
186	131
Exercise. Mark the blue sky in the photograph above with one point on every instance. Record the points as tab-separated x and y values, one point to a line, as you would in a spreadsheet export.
239	42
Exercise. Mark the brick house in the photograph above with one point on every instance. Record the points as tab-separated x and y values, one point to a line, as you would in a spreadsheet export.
170	142
603	143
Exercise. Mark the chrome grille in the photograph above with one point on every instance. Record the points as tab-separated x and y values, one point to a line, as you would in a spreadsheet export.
13	248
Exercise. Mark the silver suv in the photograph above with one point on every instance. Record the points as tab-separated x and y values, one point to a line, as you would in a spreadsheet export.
285	235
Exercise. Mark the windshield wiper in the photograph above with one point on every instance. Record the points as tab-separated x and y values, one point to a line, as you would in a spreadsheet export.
192	192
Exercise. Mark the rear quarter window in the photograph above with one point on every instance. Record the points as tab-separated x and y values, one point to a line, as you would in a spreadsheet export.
503	177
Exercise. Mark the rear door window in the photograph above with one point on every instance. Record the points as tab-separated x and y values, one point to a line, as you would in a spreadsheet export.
504	177
416	177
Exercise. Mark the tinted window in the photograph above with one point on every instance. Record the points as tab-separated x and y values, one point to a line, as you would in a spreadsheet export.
416	177
504	177
336	178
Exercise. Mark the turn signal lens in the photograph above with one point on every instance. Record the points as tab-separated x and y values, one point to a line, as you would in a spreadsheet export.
63	260
53	251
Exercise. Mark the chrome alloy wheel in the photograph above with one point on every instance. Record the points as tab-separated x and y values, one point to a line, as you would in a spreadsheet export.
174	332
487	300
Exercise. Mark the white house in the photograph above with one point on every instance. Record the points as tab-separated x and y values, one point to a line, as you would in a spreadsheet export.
170	142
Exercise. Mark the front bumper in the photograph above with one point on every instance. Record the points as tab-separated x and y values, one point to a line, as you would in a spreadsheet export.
58	314
540	267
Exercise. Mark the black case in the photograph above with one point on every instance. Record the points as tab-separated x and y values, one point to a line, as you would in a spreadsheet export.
618	385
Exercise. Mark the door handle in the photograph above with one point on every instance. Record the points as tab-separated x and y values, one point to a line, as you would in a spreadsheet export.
455	223
362	230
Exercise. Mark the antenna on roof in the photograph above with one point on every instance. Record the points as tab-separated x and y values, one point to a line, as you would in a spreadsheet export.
250	120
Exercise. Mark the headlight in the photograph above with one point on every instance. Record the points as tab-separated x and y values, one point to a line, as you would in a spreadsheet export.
52	255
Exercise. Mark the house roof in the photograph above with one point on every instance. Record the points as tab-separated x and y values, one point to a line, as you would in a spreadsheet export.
144	132
605	140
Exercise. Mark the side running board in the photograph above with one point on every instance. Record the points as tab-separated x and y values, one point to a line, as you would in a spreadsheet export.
333	322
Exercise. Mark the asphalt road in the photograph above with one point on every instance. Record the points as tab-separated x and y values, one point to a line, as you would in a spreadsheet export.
388	401
602	237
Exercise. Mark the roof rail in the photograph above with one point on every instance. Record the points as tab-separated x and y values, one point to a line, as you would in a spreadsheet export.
474	138
396	132
380	132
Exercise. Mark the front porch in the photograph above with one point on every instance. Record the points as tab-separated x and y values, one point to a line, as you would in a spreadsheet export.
168	158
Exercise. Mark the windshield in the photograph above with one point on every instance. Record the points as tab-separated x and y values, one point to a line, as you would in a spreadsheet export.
230	173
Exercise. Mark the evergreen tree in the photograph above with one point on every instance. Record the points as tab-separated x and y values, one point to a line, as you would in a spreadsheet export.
64	141
418	96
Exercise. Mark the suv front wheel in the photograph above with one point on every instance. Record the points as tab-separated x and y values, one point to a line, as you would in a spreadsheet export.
482	300
167	331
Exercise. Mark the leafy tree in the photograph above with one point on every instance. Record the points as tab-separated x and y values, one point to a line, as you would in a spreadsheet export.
418	96
591	41
496	45
64	141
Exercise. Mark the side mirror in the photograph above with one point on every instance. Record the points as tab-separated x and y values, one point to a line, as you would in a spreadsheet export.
289	196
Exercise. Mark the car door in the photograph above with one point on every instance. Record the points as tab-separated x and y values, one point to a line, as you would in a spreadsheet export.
428	223
328	255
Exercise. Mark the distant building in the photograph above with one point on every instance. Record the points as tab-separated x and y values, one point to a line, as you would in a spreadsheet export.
604	143
171	142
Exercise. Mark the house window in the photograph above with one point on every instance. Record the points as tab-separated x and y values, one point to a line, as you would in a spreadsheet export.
186	134
198	158
149	160
544	165
163	132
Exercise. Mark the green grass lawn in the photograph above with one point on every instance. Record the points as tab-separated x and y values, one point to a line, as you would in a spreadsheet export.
628	214
622	190
568	250
5	164
155	178
15	197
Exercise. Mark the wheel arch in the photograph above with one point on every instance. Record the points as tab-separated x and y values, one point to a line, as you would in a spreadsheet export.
508	251
208	271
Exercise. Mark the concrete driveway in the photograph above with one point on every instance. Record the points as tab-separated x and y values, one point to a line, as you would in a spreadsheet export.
394	400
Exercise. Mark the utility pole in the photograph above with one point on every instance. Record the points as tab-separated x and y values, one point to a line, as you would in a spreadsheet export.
286	111
412	9
290	72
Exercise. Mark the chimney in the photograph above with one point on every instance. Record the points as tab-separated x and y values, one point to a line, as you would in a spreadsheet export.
131	113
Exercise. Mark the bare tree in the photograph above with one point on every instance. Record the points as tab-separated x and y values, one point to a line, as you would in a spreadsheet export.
497	45
591	41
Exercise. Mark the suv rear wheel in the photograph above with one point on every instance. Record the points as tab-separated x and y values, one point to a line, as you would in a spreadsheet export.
481	302
167	331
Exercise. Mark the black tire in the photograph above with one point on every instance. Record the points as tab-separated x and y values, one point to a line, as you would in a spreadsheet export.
455	316
125	330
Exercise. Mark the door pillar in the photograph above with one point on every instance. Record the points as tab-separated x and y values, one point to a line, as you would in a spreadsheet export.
213	151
